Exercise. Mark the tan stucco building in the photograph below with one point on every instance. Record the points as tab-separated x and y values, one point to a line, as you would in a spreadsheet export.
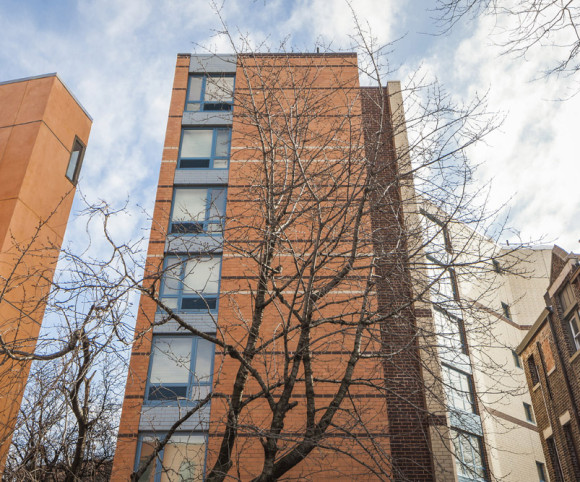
43	134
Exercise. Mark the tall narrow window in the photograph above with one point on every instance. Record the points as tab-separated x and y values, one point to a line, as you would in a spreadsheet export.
555	459
210	93
533	369
572	450
198	210
437	239
191	284
444	282
459	390
449	332
541	472
75	161
181	368
505	308
468	455
566	298
204	148
574	331
516	358
529	413
182	458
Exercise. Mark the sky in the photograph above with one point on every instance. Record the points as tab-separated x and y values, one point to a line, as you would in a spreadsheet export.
118	59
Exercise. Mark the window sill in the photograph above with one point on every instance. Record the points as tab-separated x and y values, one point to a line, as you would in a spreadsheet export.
170	403
551	371
535	387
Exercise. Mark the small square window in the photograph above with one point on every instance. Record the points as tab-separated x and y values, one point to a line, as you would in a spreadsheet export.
181	369
182	458
210	93
198	210
506	310
204	148
529	413
541	472
75	161
191	284
516	358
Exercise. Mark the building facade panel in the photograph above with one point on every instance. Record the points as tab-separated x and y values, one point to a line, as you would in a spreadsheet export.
40	124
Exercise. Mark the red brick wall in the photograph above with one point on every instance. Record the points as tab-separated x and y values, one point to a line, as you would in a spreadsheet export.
326	89
557	396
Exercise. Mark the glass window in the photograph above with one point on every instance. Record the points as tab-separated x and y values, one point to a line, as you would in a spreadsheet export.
180	368
444	282
198	210
572	450
181	459
210	93
449	332
555	459
204	148
191	284
533	369
567	298
505	308
529	412
75	161
575	331
541	472
458	389
468	459
516	358
437	239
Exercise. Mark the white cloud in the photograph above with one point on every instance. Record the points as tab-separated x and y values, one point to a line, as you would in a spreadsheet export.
531	158
118	58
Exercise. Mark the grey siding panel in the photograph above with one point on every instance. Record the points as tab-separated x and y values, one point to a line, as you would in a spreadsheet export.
158	418
207	118
200	176
200	64
194	244
201	321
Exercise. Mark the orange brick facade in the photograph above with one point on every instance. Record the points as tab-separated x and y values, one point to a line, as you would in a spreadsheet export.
373	434
39	123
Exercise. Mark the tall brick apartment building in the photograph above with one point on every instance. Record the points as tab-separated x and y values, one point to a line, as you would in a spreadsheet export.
282	332
550	352
43	134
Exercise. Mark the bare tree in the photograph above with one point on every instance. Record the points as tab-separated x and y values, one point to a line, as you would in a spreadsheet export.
70	409
339	256
525	25
325	328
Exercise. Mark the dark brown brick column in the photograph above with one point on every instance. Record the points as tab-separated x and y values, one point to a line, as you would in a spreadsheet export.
406	408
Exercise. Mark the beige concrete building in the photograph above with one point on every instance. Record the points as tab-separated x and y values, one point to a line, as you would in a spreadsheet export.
486	298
